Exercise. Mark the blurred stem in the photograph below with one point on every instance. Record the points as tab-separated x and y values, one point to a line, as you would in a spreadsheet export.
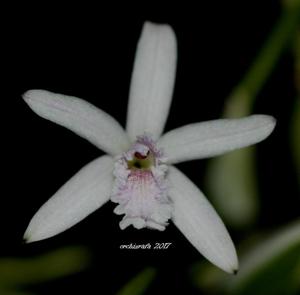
240	101
297	61
231	179
296	141
295	123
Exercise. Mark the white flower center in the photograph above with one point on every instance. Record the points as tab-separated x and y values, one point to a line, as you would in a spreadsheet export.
140	186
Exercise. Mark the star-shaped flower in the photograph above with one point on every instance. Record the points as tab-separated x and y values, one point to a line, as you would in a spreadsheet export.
137	172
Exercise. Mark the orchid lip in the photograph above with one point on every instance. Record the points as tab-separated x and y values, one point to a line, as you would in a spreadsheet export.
140	186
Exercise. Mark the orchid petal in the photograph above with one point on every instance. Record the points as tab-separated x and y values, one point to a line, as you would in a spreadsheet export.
200	224
85	192
213	138
80	117
152	81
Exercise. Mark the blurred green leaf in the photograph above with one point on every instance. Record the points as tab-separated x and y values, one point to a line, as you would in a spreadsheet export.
240	101
271	267
232	186
139	284
208	277
292	4
268	266
23	271
231	178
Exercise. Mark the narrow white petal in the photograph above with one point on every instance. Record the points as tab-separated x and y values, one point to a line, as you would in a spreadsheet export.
80	117
85	192
213	138
199	222
152	81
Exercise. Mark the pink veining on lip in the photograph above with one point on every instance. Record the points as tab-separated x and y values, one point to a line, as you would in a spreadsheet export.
140	186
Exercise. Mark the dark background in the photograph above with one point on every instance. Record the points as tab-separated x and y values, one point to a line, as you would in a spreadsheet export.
89	53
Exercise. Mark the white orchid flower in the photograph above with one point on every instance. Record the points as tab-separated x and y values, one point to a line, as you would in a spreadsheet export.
137	173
